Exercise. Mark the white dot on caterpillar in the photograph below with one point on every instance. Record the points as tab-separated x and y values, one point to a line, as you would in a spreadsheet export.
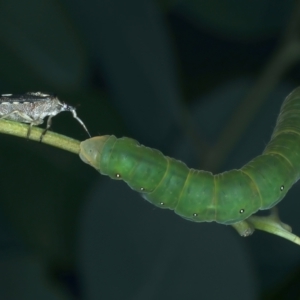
142	189
195	215
282	188
161	203
118	175
242	211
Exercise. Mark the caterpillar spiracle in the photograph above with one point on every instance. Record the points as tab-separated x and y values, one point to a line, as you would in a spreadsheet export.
227	198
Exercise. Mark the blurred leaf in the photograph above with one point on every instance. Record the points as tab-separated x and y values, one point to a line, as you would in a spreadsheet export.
236	19
41	199
39	47
23	277
130	42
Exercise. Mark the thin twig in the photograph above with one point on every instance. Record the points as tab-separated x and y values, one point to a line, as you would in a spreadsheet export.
51	138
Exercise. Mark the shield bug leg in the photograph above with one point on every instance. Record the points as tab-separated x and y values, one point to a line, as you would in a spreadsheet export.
49	123
17	112
29	130
22	115
33	123
25	117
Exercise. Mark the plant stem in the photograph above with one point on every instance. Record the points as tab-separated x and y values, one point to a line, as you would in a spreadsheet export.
51	138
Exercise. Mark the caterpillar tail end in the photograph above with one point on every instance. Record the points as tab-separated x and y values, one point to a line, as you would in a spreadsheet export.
271	224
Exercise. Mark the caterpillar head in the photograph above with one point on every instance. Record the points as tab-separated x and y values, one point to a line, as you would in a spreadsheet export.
91	149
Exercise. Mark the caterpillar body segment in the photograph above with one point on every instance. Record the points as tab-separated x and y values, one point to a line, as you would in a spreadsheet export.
195	195
229	198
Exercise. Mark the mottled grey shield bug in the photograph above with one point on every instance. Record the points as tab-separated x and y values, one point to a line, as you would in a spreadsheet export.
32	108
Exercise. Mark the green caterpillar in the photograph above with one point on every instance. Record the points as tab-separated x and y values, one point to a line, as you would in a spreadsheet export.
227	198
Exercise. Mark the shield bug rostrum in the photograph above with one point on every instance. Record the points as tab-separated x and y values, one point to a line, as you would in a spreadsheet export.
32	108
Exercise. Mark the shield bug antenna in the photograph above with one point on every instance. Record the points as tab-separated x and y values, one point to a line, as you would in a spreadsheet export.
32	108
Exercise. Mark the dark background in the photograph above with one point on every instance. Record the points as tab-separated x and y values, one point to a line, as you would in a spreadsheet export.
203	82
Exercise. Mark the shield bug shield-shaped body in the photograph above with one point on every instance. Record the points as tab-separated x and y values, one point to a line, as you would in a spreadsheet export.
33	108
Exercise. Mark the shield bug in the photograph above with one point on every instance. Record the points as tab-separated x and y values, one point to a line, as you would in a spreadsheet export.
32	108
